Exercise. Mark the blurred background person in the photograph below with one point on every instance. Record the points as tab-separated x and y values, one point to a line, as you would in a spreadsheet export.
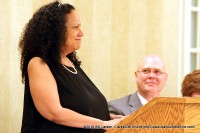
191	84
150	78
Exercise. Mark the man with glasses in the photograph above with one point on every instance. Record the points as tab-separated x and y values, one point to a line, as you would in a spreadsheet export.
150	78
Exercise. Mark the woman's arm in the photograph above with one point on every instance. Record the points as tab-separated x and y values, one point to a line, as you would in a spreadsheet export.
44	92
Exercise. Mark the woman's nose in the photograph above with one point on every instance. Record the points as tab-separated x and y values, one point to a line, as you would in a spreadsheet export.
81	33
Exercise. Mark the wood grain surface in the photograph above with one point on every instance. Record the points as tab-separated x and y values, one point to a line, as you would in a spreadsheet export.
163	115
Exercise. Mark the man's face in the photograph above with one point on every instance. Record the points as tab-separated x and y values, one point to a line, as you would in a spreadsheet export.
151	76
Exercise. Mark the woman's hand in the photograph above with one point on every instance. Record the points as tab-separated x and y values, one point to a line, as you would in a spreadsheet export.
115	119
113	116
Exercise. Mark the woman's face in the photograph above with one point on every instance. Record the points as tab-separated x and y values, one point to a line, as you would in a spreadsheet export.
74	32
195	94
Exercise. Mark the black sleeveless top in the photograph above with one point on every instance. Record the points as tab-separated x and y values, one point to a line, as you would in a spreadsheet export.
76	92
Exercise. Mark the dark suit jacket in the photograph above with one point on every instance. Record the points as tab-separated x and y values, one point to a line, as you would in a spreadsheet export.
125	105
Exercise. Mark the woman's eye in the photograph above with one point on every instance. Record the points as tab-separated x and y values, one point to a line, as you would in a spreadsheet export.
75	27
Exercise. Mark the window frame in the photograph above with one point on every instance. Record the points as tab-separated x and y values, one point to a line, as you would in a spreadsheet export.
185	48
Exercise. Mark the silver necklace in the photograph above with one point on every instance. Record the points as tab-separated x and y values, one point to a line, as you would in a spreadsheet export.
74	72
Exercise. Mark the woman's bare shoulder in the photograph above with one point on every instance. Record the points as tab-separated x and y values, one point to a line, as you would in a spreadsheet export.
37	63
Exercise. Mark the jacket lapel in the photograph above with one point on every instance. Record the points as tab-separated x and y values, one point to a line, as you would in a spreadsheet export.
134	102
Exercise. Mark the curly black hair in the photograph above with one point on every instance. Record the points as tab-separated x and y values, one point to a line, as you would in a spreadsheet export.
44	35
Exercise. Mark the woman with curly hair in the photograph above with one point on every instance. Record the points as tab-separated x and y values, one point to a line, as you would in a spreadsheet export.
191	84
58	97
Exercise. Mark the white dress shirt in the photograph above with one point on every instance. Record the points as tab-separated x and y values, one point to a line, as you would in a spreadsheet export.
142	99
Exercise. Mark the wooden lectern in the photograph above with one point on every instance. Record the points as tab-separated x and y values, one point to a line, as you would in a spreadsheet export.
163	115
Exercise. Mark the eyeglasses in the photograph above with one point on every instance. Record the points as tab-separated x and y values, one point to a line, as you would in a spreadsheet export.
156	72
